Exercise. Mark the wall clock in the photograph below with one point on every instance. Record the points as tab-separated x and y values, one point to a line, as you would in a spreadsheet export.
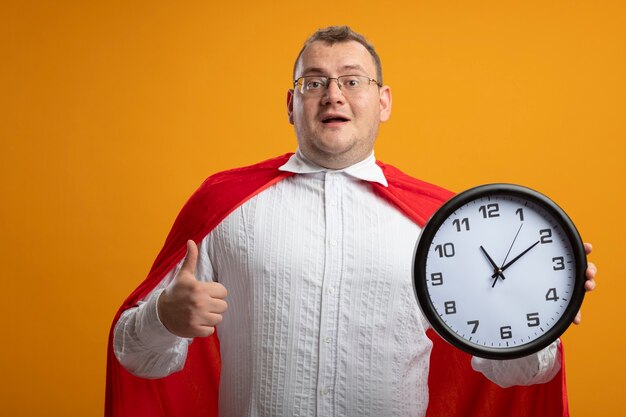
499	271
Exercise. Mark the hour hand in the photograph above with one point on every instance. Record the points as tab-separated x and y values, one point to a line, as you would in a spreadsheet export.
496	269
512	261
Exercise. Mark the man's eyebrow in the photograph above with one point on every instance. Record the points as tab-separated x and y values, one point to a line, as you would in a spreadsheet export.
312	70
320	71
353	67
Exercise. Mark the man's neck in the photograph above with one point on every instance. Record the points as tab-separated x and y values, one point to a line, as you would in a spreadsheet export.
336	163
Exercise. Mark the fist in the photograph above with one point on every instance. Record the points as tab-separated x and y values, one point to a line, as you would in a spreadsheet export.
188	307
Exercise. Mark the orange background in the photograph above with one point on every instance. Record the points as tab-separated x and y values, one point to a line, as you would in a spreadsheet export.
112	113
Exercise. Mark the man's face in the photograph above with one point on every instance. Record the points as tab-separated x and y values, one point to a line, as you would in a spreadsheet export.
338	129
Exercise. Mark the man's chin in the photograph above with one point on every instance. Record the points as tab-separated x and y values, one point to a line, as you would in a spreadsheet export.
336	152
334	144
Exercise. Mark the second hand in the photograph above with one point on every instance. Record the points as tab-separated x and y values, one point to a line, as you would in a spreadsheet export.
512	243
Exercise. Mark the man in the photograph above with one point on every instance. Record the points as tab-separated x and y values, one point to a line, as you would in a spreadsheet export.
314	252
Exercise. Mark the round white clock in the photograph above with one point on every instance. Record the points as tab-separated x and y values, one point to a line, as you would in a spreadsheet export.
499	271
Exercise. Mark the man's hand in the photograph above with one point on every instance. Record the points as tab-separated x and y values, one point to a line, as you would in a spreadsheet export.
188	307
590	285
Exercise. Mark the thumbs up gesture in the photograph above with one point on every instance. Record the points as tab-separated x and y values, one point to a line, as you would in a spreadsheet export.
188	307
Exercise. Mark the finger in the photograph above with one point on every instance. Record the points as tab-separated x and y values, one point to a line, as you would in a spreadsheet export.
203	331
592	270
578	318
218	306
191	258
590	274
217	290
214	319
209	320
588	247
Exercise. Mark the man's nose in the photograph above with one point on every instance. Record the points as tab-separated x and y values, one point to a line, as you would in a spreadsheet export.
333	92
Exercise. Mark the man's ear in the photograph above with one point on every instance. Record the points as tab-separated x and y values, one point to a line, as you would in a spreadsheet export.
290	95
385	103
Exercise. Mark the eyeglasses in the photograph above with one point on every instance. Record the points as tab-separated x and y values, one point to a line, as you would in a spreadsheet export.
316	85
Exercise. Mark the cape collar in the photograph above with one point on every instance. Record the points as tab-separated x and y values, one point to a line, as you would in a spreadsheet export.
366	170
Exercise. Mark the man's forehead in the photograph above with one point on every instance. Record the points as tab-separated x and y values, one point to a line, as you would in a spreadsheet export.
322	57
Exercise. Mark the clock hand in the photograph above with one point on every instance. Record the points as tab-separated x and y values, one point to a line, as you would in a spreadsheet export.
512	243
515	259
496	269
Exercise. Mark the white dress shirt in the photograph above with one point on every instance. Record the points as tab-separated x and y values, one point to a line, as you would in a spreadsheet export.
322	318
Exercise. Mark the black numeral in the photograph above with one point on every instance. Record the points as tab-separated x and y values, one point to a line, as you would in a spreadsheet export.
558	263
505	332
490	210
436	279
475	324
447	250
450	307
520	213
551	295
533	319
463	223
546	235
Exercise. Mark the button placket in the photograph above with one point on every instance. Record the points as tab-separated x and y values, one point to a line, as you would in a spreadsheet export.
330	285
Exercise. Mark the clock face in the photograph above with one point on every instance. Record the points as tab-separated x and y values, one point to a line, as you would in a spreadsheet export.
499	271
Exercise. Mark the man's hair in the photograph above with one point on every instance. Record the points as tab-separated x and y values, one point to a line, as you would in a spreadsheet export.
337	34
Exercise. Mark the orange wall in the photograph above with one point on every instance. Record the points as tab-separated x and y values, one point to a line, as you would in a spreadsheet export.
112	112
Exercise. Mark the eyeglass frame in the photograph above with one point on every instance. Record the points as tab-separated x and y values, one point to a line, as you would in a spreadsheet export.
339	85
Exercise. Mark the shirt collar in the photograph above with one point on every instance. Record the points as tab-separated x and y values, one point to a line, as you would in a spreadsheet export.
366	170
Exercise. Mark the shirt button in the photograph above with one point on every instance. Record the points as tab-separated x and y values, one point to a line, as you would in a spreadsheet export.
333	243
324	391
328	339
331	290
333	202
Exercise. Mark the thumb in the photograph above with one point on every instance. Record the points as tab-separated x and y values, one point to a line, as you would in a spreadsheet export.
191	258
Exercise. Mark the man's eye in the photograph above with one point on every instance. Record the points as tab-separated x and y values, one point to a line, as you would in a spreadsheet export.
314	84
351	82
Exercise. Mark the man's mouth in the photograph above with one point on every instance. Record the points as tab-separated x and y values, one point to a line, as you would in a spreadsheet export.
334	119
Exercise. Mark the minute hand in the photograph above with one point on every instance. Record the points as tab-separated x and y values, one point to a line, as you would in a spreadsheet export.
504	267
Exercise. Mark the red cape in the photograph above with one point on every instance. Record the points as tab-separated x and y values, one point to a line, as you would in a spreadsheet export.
454	388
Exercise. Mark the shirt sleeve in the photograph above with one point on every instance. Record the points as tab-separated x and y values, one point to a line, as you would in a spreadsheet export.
537	368
141	342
